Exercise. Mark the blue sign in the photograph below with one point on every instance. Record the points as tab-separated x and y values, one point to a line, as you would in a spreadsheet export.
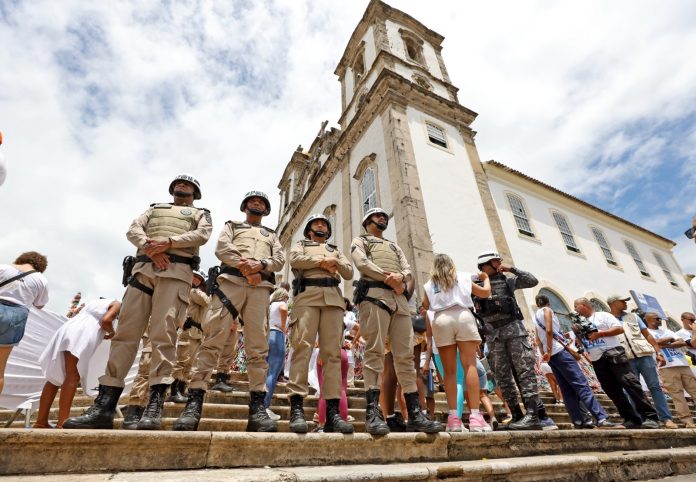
648	303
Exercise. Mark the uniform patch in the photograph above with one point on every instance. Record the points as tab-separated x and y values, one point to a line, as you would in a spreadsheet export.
330	248
208	217
393	247
186	212
352	248
264	232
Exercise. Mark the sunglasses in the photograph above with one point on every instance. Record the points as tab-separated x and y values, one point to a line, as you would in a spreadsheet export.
689	233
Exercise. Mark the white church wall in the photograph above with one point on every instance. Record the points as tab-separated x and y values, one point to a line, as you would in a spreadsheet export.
574	275
454	211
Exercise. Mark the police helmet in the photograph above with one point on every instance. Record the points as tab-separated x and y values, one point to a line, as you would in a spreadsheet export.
189	179
260	194
201	274
313	218
372	211
488	256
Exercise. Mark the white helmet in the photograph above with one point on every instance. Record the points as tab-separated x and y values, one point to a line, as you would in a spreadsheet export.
189	179
260	194
488	256
372	211
201	274
313	218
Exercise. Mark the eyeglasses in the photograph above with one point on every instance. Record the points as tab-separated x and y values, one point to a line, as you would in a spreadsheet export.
689	319
689	233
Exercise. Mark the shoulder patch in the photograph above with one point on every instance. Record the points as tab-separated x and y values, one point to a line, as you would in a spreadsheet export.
352	248
208	217
332	246
268	229
161	205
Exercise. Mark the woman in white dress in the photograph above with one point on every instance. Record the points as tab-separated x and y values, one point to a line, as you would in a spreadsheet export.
67	355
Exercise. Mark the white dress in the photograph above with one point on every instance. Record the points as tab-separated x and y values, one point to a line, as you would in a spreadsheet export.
80	336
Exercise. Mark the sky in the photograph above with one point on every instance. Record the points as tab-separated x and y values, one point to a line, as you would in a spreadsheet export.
103	103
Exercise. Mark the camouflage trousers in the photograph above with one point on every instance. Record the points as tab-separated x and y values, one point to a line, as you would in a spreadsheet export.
513	354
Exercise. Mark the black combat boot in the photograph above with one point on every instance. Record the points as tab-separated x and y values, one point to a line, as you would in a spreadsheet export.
334	422
177	392
188	421
221	384
374	419
298	424
396	423
101	413
259	421
417	421
132	417
516	412
152	416
531	419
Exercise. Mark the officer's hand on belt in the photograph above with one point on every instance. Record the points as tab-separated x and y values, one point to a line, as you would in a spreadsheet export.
329	264
253	279
396	282
161	261
249	266
152	248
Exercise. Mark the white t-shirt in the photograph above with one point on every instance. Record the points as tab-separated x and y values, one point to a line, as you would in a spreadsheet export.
349	322
674	357
32	290
602	321
686	335
274	320
459	295
541	332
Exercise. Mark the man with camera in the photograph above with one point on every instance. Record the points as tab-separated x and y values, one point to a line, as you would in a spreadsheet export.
599	334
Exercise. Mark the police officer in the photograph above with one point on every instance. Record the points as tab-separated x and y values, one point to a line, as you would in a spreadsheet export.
190	336
317	309
384	312
250	254
167	237
508	341
225	359
137	398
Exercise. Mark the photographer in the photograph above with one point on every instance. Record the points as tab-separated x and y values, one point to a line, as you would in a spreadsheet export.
600	333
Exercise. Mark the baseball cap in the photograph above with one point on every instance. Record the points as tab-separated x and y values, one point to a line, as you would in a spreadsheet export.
613	298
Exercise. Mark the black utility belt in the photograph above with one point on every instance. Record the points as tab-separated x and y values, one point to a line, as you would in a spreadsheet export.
190	323
322	282
375	284
173	258
225	269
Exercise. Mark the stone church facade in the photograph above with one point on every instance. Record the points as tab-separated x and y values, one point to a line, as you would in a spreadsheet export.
406	144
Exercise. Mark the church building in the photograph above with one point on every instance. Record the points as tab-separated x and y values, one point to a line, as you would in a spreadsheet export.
406	144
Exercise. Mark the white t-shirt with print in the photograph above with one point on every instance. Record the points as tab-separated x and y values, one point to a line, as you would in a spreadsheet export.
31	290
602	321
459	295
674	357
541	330
686	335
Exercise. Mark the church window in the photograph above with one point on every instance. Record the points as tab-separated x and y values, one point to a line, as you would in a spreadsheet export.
436	135
358	69
566	232
560	309
665	269
520	214
369	190
636	257
413	46
598	305
604	246
330	212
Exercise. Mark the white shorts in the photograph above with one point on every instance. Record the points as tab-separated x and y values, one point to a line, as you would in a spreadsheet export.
546	369
453	325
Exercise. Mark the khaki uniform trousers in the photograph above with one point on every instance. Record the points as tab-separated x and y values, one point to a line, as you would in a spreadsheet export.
229	350
139	393
376	324
186	350
327	322
676	380
252	304
163	310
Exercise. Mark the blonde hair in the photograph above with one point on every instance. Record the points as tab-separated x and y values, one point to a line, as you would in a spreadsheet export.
280	294
444	272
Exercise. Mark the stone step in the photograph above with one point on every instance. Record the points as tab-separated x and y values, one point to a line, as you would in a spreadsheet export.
80	451
616	466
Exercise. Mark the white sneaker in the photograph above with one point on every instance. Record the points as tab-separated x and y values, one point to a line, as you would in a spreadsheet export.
272	415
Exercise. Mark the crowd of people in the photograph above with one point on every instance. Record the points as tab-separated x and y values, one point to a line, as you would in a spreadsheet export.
469	333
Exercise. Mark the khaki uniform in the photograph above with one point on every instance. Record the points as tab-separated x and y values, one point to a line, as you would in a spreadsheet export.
229	350
373	257
190	340
241	240
317	310
140	392
187	227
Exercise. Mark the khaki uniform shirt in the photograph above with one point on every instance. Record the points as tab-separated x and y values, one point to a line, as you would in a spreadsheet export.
305	258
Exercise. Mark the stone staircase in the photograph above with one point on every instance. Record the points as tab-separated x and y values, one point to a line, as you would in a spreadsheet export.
220	448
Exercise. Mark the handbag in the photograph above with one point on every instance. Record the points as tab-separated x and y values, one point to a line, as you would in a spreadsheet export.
616	355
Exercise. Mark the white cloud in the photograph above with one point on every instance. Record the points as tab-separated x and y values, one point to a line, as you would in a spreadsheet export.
102	103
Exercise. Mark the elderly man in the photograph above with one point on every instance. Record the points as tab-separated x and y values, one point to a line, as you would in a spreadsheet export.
676	373
611	366
640	348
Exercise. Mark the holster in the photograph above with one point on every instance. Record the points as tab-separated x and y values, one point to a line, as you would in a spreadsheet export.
213	288
128	264
190	323
297	286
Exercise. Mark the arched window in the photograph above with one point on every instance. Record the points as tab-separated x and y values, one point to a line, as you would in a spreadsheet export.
598	305
559	307
413	46
636	258
369	190
358	69
330	212
566	232
520	215
604	246
673	325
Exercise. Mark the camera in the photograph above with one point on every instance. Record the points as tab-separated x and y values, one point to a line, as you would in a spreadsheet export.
581	325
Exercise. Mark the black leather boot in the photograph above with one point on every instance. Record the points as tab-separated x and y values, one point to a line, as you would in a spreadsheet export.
101	413
298	424
152	416
189	418
417	420
132	417
334	422
531	419
177	392
396	423
221	384
259	421
374	419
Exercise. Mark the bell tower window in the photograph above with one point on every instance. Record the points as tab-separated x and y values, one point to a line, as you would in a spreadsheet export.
413	46
358	69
